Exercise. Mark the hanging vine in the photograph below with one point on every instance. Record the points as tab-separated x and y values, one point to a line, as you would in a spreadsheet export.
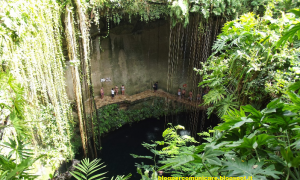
31	41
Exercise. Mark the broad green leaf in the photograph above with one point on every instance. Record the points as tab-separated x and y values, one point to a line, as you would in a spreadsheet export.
295	98
210	155
214	161
275	104
238	168
248	143
167	165
262	139
289	114
24	165
268	110
276	158
252	110
295	86
239	124
296	144
287	155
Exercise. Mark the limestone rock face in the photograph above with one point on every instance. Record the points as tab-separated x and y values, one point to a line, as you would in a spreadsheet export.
138	54
134	55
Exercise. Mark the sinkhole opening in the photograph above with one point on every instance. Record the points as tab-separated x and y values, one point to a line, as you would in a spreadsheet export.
117	145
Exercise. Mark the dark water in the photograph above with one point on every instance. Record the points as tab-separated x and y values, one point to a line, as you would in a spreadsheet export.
119	144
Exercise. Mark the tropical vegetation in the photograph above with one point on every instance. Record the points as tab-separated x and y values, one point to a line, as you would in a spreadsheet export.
252	74
247	65
112	118
262	144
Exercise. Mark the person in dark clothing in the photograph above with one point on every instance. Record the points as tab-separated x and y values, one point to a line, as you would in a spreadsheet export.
155	86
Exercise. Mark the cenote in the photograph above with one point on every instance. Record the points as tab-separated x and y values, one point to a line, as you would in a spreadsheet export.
120	143
83	80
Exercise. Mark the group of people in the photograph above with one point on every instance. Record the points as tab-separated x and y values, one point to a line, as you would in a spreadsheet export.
113	91
181	94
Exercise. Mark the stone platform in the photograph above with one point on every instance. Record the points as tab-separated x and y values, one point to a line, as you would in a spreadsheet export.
140	96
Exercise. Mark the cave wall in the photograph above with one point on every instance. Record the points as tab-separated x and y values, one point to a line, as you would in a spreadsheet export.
136	54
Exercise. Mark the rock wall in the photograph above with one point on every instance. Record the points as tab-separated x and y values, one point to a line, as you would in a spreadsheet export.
137	55
134	55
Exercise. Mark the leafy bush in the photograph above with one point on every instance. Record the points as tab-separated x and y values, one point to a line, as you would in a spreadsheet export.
87	170
263	144
112	118
246	67
90	170
17	162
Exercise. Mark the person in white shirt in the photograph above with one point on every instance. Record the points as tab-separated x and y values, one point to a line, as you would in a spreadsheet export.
179	93
112	93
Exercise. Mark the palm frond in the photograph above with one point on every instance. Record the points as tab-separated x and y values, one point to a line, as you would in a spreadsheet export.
17	148
214	96
122	177
227	105
87	169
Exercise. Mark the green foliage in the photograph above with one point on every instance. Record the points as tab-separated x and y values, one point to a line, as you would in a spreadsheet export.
17	162
174	145
12	104
146	176
17	149
122	177
90	170
15	157
86	170
111	117
11	170
246	67
180	10
252	168
35	106
262	144
294	29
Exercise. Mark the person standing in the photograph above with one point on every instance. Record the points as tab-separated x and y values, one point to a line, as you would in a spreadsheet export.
102	93
183	93
155	86
116	90
198	98
123	89
179	93
191	96
112	93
